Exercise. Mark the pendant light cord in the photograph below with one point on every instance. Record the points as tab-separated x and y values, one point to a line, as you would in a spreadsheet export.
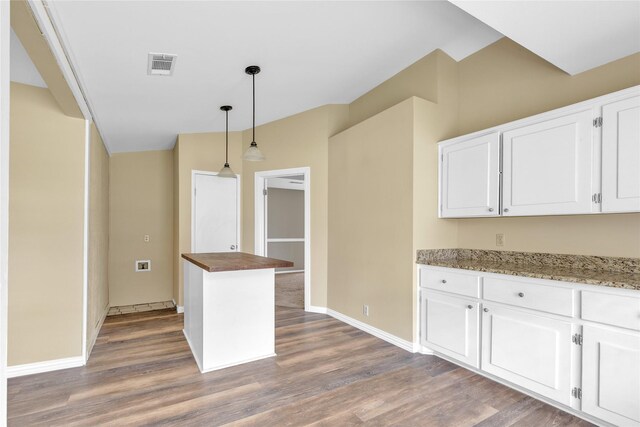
226	139
254	107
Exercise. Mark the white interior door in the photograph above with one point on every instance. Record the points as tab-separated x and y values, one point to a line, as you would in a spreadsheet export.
621	156
215	216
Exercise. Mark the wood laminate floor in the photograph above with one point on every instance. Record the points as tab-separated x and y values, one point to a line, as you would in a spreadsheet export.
141	372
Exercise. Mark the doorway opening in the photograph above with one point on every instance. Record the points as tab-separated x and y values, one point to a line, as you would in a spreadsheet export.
282	215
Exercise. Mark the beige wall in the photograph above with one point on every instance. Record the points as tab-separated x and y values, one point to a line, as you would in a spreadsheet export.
286	213
297	141
37	46
46	208
204	152
370	220
141	202
504	82
98	262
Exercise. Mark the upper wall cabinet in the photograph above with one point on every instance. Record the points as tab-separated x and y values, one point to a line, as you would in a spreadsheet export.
580	159
470	177
547	167
621	155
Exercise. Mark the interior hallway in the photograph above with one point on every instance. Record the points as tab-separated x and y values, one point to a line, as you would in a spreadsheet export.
326	373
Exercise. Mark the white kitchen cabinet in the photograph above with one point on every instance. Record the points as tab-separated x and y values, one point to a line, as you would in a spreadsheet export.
530	350
611	375
621	156
451	326
469	177
547	166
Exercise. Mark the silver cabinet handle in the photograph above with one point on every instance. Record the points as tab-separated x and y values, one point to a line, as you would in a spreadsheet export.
233	247
469	306
521	294
490	209
444	281
486	310
506	209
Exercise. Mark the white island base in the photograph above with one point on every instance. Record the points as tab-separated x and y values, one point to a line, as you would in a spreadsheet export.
229	316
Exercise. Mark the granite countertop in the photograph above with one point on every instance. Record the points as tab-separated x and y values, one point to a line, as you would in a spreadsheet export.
232	261
593	270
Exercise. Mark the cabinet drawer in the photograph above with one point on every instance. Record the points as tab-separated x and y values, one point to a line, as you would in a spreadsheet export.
535	296
457	283
610	309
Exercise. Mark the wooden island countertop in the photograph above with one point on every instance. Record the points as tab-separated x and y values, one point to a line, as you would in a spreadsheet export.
233	261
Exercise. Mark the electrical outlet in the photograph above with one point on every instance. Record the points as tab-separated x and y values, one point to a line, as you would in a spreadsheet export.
499	239
365	310
143	265
146	238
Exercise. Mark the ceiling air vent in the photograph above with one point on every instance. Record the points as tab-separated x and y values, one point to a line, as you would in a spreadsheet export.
161	64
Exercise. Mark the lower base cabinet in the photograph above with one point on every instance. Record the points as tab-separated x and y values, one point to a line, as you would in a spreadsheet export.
611	375
529	350
575	345
451	326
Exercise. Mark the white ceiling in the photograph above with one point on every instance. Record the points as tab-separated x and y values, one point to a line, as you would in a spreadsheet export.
22	69
575	36
311	54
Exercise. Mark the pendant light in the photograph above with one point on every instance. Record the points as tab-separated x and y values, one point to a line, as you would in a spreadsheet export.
253	153
226	171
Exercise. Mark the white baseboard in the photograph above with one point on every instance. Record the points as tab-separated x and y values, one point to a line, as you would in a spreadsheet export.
180	309
392	339
316	309
46	366
97	331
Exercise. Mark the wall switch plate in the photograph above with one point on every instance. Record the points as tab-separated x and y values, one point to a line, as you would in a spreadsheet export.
143	265
146	238
499	239
365	310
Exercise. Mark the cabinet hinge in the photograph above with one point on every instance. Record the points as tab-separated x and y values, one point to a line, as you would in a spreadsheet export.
596	198
597	122
576	392
264	191
576	339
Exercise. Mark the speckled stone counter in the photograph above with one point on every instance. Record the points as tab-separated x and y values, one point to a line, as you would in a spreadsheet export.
594	270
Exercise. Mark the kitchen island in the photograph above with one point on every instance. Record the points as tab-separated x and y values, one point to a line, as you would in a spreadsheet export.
229	307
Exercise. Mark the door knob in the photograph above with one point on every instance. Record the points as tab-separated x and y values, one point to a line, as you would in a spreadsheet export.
521	294
490	209
469	306
506	209
444	281
486	310
233	247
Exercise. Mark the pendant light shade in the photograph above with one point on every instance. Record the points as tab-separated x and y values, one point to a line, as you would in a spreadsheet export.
253	153
226	171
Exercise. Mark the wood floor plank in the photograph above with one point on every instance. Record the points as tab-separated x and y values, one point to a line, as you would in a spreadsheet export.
326	373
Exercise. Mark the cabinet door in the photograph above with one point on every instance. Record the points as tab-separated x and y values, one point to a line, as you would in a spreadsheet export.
470	176
547	167
621	156
611	375
450	325
529	350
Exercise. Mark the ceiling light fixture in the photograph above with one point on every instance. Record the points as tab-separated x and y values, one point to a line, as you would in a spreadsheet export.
253	153
226	171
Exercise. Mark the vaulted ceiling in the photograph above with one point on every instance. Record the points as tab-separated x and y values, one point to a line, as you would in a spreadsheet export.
311	53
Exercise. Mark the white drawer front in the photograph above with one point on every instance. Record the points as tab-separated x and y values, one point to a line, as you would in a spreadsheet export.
457	283
550	299
610	309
